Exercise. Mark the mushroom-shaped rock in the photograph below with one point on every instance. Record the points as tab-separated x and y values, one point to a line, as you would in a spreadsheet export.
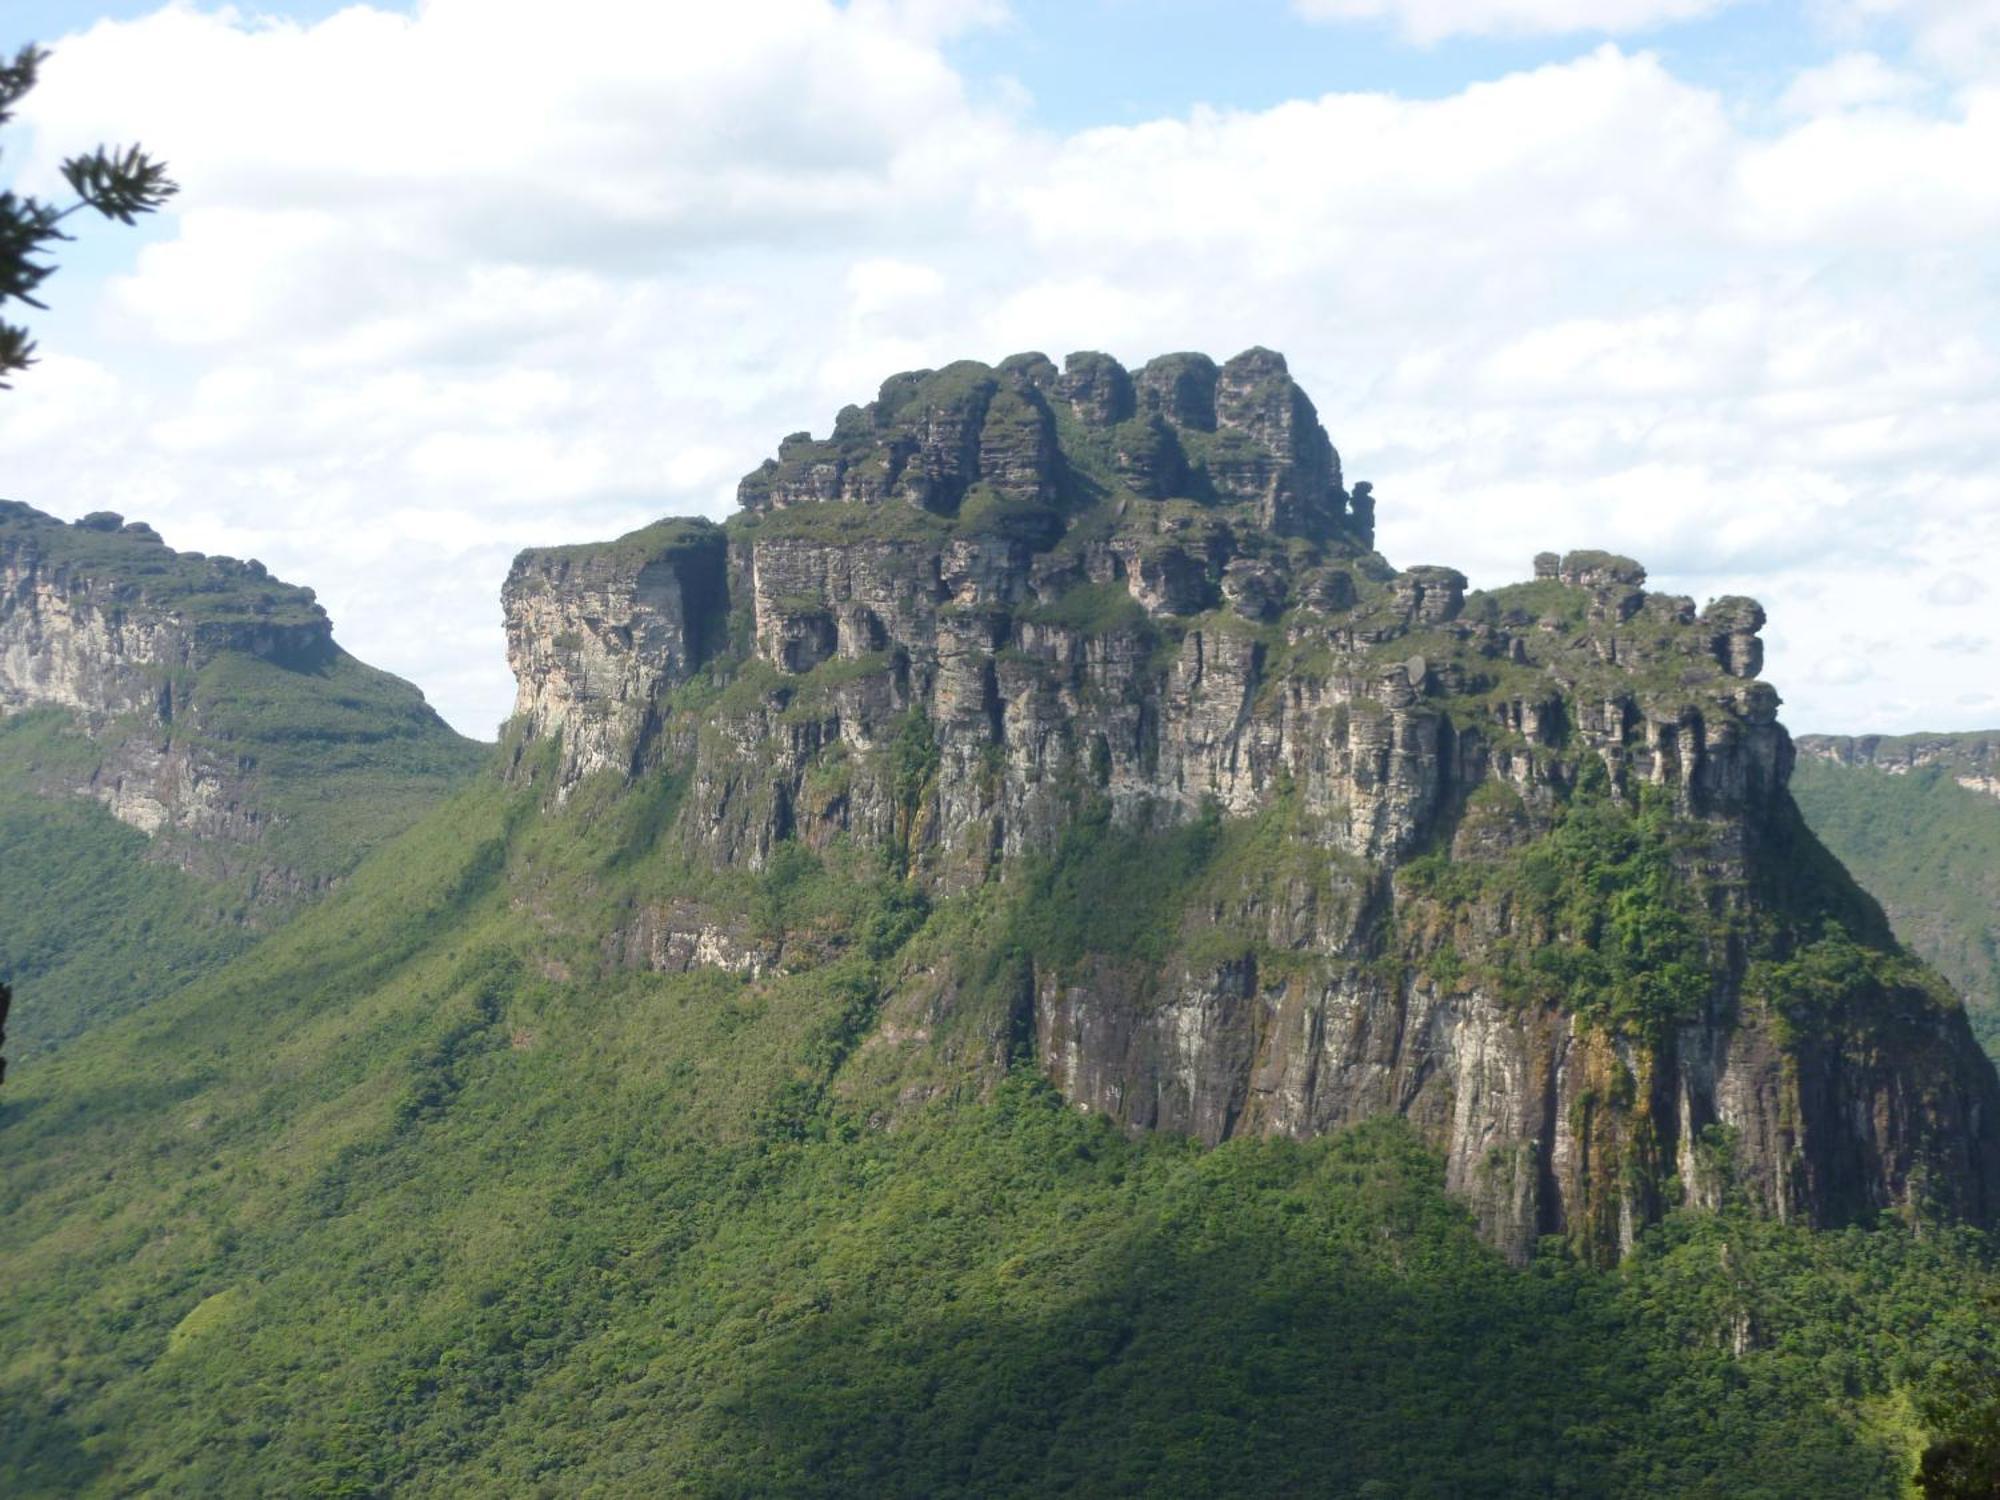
1361	512
1733	622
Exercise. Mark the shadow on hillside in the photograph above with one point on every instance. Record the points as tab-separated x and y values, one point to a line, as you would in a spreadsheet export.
1407	1370
42	1453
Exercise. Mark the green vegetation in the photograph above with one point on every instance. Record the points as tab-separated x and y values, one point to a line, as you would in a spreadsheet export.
342	755
89	927
213	589
1929	850
1095	609
314	757
666	538
986	512
422	1196
1609	922
97	920
1605	925
842	521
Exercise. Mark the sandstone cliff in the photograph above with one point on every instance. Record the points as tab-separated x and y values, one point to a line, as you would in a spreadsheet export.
1972	760
1519	865
226	724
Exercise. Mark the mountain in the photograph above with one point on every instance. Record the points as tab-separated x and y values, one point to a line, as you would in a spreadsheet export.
186	757
1287	838
1917	819
1033	961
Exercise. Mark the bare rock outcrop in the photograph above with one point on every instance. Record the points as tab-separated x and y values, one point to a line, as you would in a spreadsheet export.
204	685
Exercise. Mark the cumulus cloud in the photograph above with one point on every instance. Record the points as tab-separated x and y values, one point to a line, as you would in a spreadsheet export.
1853	80
1960	38
1433	20
521	285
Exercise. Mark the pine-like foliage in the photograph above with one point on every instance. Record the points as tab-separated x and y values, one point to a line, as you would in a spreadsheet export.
120	184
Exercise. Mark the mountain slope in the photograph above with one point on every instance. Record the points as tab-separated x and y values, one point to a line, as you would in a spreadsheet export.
186	756
1030	961
395	1204
1287	838
1917	820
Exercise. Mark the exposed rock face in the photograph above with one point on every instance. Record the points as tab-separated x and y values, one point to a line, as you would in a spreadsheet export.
81	630
1972	760
594	634
1152	595
102	620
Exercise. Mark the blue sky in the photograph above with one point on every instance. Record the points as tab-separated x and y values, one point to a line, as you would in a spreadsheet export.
1104	62
1098	62
1720	291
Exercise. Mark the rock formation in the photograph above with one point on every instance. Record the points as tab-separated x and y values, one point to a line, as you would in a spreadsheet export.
1972	760
211	691
1519	865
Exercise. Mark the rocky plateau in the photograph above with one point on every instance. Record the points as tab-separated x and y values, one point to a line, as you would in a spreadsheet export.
1151	596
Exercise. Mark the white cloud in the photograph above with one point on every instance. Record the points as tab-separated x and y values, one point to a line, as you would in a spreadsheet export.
1960	38
1956	588
1853	80
1433	20
548	286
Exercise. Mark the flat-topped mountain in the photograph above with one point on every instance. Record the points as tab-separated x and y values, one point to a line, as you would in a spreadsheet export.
1972	758
884	1022
206	705
1272	835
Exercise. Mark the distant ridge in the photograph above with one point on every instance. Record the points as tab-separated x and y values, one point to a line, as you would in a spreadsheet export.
206	705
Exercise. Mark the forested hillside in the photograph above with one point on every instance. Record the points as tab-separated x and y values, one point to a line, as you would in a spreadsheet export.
1031	960
409	1201
1928	848
186	759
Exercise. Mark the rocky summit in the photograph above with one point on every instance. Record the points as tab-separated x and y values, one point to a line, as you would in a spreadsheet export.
1260	833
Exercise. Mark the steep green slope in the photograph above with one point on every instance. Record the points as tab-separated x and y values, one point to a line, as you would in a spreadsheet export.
88	925
186	758
426	1195
1929	850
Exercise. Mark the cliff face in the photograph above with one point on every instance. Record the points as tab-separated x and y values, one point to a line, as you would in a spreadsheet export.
1520	866
80	632
1971	760
594	634
211	692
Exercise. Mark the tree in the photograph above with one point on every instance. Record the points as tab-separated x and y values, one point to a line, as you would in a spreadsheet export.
120	184
1963	1460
